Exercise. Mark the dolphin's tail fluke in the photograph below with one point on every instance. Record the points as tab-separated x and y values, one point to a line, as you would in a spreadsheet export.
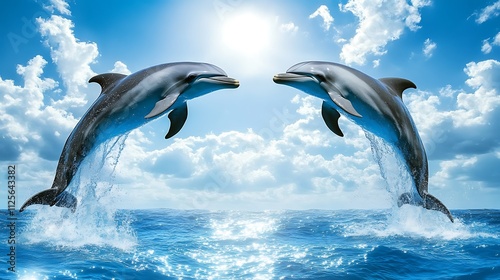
50	197
432	203
428	202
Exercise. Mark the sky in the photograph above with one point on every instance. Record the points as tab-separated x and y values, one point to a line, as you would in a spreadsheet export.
263	145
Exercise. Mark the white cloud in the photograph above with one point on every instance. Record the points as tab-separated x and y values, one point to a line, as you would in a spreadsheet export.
429	47
488	12
58	5
380	22
496	40
289	27
121	68
468	132
448	91
324	13
72	58
26	123
376	63
488	46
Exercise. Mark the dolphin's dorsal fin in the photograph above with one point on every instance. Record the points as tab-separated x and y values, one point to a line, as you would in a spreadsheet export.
331	118
177	118
106	80
398	85
163	105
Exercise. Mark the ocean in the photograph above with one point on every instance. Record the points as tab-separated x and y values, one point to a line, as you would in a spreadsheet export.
400	243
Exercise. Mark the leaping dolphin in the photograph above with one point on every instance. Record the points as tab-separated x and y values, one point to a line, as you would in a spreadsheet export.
376	106
126	103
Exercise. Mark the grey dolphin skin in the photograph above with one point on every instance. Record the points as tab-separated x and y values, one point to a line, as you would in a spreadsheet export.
376	106
126	103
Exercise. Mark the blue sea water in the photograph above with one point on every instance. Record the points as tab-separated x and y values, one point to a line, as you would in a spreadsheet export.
404	243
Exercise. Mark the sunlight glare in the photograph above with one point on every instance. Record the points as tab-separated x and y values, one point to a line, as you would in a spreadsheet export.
247	34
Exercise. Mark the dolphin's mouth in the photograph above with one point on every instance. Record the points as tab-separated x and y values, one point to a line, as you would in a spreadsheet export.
221	80
290	77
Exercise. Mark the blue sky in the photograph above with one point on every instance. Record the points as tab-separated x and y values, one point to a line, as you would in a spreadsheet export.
262	146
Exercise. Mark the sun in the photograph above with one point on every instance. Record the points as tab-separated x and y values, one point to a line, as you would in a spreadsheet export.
246	34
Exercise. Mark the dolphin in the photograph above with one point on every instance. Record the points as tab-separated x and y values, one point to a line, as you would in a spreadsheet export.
374	104
126	103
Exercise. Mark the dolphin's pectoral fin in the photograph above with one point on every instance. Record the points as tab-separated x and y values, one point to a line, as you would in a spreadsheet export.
177	118
48	197
341	101
163	105
106	80
331	118
432	203
398	85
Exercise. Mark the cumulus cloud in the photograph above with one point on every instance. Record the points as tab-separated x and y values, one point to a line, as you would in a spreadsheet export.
496	40
466	134
478	168
72	58
289	27
324	13
429	47
380	22
58	5
488	44
488	12
486	48
121	68
26	123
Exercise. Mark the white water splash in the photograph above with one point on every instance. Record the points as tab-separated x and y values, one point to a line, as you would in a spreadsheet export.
392	168
417	222
408	220
94	221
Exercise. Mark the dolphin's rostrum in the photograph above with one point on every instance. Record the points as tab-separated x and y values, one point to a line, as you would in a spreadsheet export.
376	106
126	103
